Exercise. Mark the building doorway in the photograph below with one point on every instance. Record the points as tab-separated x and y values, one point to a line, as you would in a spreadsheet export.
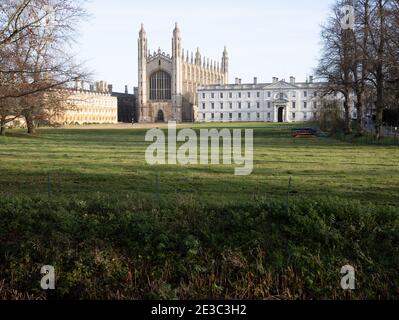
280	116
160	116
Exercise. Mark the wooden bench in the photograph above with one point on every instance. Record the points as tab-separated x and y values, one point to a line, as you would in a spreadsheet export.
304	133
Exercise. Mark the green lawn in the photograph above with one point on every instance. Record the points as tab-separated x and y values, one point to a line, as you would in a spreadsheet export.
81	162
86	202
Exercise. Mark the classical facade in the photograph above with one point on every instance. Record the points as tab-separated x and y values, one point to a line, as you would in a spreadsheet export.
89	105
278	101
167	84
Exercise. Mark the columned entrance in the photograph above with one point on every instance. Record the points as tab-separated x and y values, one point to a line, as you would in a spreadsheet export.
280	110
280	114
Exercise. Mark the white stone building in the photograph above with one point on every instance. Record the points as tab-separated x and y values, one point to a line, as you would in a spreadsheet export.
279	101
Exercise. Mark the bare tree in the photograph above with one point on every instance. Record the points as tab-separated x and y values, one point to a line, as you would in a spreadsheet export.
392	86
363	60
377	27
34	54
10	110
382	55
12	24
337	61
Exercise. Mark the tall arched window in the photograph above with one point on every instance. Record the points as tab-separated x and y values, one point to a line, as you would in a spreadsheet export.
160	86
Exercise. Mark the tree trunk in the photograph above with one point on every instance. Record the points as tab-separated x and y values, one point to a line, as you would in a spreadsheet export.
360	115
347	119
2	126
30	124
378	124
380	78
31	129
360	107
379	103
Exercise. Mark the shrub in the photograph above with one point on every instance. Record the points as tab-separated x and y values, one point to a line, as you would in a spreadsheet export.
106	247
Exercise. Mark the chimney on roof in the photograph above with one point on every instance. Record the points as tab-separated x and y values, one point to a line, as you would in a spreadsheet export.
92	87
292	80
237	81
126	90
255	80
102	84
275	79
110	88
311	79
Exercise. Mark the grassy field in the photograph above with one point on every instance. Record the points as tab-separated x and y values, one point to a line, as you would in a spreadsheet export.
85	201
108	161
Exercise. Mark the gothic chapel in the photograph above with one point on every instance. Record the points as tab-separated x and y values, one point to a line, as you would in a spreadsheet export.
167	85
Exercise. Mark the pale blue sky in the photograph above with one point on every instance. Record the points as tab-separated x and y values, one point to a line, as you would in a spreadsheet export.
264	38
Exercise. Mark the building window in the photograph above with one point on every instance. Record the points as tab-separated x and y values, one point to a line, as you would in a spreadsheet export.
231	95
305	94
305	105
258	105
269	104
212	95
221	116
281	96
230	116
268	115
249	94
213	116
305	116
249	116
203	96
239	95
239	105
258	94
213	105
293	115
269	94
315	94
258	115
231	105
221	106
239	116
315	105
221	95
249	105
203	106
160	86
203	116
314	115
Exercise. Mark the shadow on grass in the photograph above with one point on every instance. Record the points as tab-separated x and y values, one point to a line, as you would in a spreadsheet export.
21	134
